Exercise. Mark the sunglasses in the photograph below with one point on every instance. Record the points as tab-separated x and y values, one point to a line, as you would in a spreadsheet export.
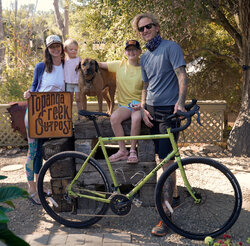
148	26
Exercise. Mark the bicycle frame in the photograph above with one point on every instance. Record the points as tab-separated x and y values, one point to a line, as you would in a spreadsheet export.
101	140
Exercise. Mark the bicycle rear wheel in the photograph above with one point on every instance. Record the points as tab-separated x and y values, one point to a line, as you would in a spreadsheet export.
56	175
220	195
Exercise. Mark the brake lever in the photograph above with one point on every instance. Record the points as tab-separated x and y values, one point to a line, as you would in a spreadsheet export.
198	116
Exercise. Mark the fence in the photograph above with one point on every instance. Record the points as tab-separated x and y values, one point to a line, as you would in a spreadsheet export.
211	116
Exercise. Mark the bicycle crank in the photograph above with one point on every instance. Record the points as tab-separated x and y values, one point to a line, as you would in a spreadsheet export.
120	205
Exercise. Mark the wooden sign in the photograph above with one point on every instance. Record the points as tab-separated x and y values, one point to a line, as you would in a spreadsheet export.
50	114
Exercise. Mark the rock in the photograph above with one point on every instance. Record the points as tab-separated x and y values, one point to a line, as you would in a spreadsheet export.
2	151
13	151
211	149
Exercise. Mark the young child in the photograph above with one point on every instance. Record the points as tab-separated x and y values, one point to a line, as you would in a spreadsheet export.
70	75
129	88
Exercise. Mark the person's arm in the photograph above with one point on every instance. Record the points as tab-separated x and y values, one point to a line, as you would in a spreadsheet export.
144	94
27	94
103	65
183	82
145	114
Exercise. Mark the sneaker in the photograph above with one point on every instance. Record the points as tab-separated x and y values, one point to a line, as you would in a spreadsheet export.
160	230
176	201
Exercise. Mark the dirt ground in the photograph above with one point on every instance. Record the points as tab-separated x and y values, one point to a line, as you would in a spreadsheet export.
28	218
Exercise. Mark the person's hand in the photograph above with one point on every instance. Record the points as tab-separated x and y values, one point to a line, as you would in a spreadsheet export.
136	107
146	117
26	94
180	108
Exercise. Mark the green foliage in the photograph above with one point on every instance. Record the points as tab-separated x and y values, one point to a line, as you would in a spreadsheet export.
110	22
218	79
7	194
104	22
9	238
24	43
15	82
102	27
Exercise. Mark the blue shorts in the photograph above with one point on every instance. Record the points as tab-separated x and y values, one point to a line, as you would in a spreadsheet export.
162	146
129	107
121	106
72	87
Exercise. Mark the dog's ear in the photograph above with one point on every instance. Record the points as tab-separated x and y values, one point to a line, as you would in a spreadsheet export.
96	66
78	67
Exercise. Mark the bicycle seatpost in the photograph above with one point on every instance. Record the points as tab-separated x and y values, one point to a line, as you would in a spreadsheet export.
92	116
95	124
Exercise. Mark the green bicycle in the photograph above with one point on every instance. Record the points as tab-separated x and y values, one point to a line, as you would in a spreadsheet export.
211	197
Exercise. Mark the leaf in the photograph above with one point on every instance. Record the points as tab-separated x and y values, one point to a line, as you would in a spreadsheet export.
5	210
3	177
9	238
10	203
10	192
3	227
3	217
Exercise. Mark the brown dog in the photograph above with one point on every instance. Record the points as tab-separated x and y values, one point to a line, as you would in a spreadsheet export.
94	81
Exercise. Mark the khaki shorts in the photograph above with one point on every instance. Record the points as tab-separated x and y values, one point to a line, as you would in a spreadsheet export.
72	87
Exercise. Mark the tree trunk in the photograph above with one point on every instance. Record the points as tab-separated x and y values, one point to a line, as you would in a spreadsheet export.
2	48
239	139
66	20
63	26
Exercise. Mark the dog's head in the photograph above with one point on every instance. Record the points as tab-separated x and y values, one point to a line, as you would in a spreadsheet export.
88	68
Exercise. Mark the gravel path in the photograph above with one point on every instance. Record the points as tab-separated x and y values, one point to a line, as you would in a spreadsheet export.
28	218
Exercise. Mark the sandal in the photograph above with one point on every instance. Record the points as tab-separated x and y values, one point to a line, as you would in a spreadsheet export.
35	200
118	156
132	159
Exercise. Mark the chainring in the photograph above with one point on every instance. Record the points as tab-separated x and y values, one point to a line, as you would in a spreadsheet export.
120	205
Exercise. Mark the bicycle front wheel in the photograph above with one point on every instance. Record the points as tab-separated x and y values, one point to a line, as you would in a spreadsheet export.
54	178
219	193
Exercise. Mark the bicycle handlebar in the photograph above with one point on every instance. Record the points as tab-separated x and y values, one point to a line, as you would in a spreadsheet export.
190	105
191	108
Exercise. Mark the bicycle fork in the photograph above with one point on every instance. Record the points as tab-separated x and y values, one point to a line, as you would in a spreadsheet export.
178	160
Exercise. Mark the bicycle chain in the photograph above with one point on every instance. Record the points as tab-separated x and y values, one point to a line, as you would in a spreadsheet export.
112	194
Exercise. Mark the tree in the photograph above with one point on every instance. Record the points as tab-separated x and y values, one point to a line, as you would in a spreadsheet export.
2	48
63	25
23	44
233	16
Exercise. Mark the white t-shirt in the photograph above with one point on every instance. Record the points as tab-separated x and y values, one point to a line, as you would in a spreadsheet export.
54	81
70	74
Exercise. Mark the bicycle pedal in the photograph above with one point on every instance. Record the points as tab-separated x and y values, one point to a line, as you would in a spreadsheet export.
53	202
67	198
137	202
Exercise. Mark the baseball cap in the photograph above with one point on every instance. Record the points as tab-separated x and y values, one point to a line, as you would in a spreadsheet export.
52	39
133	43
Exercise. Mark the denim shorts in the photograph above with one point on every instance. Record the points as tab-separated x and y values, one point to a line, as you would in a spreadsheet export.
129	107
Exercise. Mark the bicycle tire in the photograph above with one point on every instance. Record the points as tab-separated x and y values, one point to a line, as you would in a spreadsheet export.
220	194
56	174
